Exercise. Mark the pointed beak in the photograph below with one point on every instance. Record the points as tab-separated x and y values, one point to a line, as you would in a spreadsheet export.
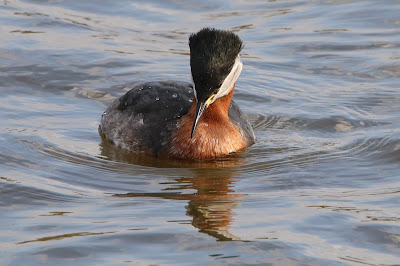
200	108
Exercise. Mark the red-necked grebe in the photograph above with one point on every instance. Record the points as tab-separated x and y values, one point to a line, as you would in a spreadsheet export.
163	119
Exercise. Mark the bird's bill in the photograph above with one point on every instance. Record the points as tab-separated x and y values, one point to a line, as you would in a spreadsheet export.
200	108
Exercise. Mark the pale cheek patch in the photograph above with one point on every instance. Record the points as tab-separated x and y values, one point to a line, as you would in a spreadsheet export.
230	80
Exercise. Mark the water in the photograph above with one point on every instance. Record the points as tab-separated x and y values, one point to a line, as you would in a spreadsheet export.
320	85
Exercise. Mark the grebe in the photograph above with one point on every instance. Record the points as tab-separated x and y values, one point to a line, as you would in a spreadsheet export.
163	119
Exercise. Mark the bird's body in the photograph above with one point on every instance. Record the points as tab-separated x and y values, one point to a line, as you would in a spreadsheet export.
171	119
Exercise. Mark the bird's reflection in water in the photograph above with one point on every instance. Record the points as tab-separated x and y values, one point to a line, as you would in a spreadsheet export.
210	206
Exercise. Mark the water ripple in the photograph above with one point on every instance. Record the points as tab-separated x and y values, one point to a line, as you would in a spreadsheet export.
319	84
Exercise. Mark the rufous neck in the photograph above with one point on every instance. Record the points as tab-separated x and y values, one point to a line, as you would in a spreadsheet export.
219	108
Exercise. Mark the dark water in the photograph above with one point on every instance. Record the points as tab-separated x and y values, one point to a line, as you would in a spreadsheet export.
320	85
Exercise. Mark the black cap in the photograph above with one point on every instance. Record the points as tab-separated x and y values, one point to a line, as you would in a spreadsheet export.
212	56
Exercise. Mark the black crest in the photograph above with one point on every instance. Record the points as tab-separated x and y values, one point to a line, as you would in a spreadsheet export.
212	56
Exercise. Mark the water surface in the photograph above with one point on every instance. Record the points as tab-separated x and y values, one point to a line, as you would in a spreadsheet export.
320	86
